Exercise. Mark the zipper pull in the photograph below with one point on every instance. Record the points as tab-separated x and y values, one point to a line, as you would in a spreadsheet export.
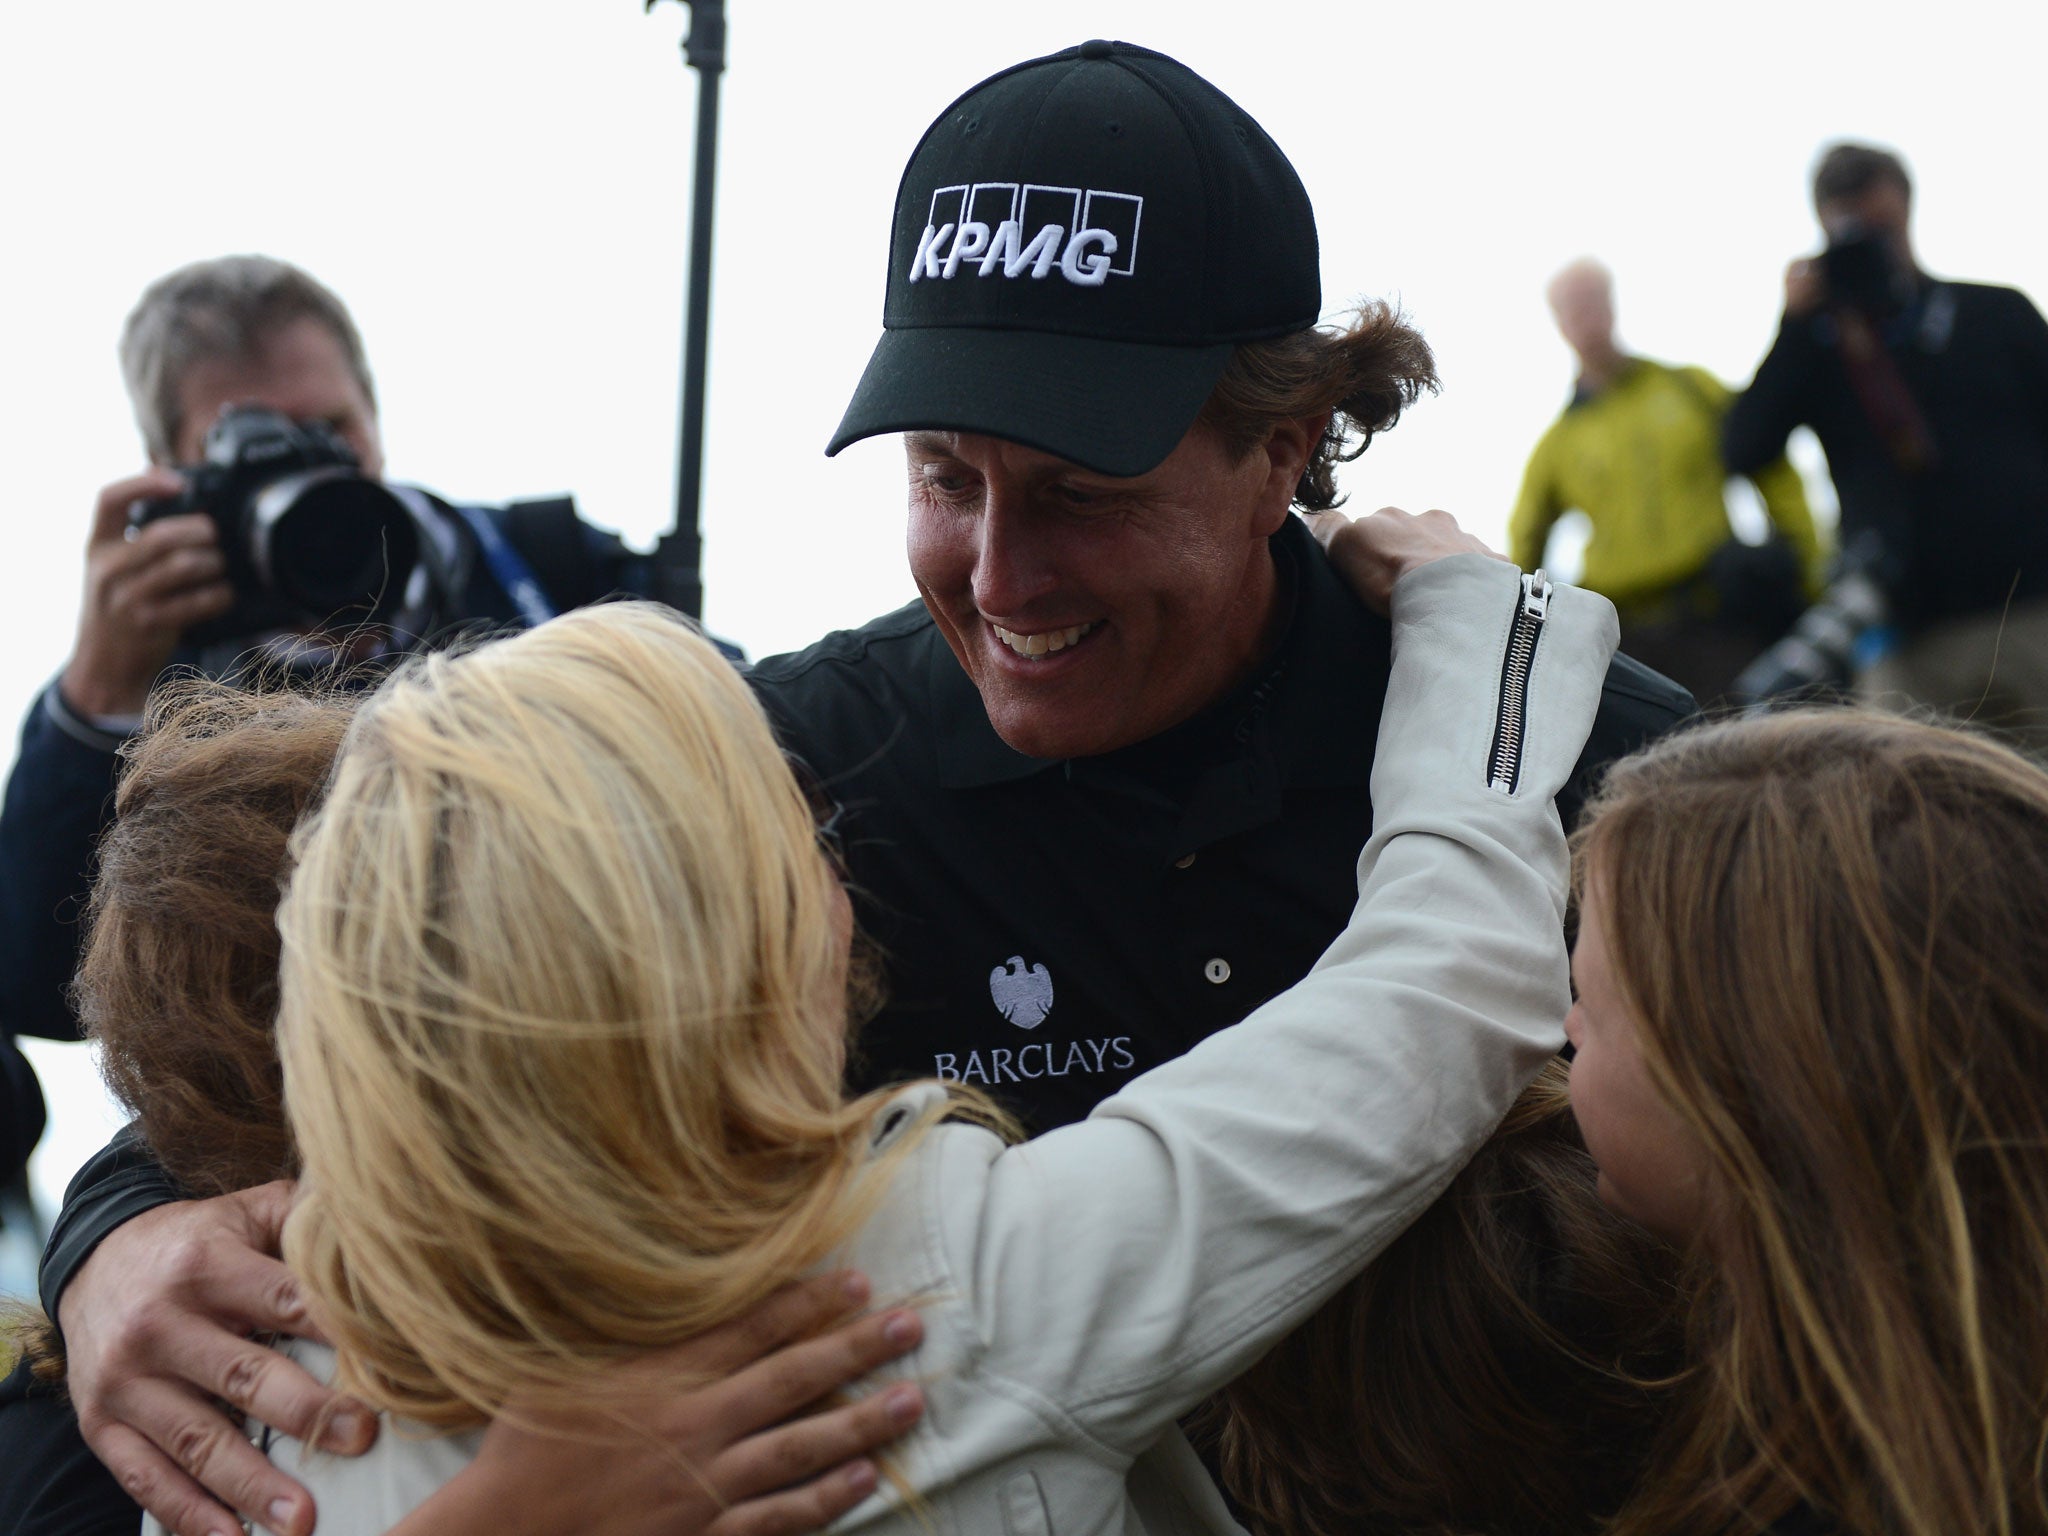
1536	595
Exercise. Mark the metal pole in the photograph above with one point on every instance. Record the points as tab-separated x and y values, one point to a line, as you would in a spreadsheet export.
678	558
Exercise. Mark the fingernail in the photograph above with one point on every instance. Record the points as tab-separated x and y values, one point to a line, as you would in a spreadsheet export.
345	1431
901	1329
903	1403
860	1477
281	1512
855	1284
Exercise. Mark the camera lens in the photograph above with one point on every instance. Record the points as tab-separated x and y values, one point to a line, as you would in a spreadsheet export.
334	545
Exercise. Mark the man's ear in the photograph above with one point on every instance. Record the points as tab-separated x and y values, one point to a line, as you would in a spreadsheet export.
1287	449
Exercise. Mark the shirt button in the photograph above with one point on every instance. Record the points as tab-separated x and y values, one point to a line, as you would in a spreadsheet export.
1186	863
1217	970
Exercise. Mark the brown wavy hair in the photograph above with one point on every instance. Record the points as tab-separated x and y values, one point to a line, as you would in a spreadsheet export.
1836	946
1503	1367
178	984
1363	373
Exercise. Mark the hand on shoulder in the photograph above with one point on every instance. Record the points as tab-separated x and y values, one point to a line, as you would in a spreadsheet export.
1374	552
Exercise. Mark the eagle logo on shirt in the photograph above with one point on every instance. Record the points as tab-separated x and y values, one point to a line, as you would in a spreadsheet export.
1022	994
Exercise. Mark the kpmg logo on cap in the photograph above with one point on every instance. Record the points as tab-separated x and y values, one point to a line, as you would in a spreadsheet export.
1011	229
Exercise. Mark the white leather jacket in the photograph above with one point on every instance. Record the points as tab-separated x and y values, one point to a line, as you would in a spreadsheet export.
1082	1291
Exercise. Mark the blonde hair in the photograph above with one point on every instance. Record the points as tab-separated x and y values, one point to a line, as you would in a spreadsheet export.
561	1019
1833	929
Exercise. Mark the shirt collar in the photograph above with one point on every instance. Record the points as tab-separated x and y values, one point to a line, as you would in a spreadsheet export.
1582	396
1312	711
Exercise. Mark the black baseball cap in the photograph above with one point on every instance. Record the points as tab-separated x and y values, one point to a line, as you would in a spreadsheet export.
1080	243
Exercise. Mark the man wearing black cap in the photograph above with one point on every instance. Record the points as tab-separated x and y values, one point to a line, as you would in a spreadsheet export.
1102	792
1105	784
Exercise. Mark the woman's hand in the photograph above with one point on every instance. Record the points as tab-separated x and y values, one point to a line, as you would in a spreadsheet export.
724	1459
1374	552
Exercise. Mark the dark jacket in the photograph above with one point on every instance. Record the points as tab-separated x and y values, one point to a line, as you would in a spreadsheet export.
59	797
1055	929
1968	531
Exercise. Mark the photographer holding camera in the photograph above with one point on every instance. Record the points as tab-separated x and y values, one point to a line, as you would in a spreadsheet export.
1930	398
261	538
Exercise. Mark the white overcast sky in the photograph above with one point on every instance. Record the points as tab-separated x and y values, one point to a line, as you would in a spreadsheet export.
501	194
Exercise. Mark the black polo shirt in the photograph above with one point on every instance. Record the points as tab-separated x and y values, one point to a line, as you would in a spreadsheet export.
1053	929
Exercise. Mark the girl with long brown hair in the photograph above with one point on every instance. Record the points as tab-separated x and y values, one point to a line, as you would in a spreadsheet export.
1812	1030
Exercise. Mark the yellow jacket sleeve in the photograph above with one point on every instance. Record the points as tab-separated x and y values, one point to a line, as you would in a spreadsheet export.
1783	493
1784	496
1536	508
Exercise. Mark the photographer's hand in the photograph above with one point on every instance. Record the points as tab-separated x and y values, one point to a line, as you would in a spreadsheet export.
156	1332
1806	287
140	595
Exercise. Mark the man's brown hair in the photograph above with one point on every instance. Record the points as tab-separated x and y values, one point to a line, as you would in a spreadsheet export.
1364	375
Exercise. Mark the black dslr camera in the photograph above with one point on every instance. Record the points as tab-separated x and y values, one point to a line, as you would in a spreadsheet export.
1862	272
309	541
1821	654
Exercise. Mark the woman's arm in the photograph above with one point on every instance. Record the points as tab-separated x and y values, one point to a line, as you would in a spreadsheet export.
1122	1268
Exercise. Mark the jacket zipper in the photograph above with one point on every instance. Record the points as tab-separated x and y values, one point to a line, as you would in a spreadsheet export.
1504	761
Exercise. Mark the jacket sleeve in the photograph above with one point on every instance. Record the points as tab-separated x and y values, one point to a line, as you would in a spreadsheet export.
1784	498
1763	416
119	1182
2029	337
1124	1267
22	1113
51	1484
1536	510
59	799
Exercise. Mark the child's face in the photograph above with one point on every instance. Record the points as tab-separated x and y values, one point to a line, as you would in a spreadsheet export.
1651	1168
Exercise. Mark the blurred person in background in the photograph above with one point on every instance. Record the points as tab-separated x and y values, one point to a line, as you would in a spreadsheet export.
22	1115
262	535
1638	451
1930	398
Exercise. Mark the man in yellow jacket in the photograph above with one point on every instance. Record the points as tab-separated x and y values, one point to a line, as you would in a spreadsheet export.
1638	450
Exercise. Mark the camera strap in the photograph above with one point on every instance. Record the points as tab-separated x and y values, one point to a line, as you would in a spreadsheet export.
509	567
1881	390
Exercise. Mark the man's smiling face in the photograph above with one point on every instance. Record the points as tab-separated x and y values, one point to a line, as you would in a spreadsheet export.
1094	611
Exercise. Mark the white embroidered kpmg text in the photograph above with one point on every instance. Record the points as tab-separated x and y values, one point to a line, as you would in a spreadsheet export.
1015	229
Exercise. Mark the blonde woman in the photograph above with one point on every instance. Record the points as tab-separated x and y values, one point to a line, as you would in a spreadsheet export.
1812	1032
178	987
564	1014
